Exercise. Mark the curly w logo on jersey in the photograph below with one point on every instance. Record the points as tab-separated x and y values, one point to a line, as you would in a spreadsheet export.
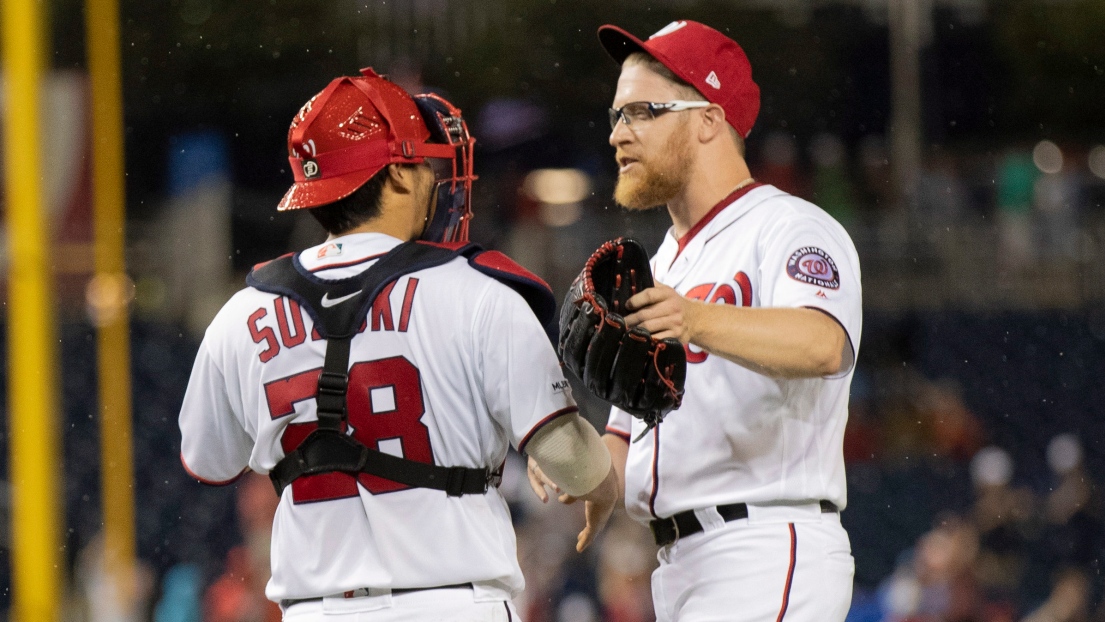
813	266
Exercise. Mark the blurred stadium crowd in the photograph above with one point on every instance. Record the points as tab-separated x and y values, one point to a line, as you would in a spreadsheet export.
976	440
973	446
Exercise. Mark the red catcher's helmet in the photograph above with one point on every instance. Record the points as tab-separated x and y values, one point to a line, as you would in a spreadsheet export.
358	125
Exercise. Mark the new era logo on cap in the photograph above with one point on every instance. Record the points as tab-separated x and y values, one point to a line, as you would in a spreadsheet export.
667	30
713	81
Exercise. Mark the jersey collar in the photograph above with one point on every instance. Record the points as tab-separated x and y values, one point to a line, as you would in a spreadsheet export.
347	250
711	215
683	250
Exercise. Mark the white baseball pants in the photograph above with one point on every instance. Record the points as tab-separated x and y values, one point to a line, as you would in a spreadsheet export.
781	564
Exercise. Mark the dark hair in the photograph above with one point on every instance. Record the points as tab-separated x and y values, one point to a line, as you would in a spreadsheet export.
689	91
359	207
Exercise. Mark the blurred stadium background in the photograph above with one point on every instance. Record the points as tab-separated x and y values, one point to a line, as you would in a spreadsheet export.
961	143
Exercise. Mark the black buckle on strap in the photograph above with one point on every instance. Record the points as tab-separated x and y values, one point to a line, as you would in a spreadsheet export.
465	481
495	478
664	530
454	481
330	399
333	383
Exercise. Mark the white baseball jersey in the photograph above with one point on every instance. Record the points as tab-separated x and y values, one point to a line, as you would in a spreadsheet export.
451	367
740	436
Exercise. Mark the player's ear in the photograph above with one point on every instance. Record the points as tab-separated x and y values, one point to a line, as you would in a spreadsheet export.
402	179
713	123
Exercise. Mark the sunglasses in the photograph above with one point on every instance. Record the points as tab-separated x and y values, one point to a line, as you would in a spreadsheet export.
647	111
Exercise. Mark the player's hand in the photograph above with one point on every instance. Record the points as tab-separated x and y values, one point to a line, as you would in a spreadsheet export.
663	312
538	481
600	505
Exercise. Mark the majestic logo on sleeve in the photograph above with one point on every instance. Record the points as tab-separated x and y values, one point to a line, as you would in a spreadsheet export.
813	266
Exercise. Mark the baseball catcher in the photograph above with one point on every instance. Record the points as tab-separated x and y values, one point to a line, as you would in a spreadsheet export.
368	376
626	367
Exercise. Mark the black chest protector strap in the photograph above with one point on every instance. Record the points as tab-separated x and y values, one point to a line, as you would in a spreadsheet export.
338	307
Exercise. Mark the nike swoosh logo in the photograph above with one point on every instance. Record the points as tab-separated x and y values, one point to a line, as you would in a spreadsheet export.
328	302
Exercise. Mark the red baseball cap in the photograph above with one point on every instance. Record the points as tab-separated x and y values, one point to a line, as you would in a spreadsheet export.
348	132
704	58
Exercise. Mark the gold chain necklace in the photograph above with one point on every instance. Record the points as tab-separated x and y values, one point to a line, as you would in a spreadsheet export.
743	184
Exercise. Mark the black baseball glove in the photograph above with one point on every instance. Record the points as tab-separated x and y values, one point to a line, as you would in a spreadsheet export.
628	368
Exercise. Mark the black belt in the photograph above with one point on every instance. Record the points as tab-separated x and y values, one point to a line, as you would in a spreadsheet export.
668	530
288	602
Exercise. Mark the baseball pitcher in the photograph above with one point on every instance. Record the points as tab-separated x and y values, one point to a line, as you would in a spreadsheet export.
738	470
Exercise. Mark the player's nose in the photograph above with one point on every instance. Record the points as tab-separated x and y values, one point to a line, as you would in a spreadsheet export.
620	134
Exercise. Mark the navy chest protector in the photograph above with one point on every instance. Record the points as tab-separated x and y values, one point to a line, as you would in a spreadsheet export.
338	308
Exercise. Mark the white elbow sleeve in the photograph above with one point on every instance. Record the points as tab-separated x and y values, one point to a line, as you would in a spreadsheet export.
570	453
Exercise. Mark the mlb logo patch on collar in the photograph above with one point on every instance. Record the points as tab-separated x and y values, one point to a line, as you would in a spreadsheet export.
813	266
330	250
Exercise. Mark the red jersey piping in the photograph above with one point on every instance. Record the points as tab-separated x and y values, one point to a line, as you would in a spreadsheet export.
618	433
210	482
655	471
790	573
543	423
345	264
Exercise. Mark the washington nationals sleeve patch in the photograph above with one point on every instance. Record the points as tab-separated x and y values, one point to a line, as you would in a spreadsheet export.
813	266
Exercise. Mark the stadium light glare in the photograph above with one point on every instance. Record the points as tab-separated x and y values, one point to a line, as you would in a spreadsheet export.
553	215
558	186
1047	157
1097	161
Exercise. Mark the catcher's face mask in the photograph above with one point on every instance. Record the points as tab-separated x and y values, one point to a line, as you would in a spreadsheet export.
454	177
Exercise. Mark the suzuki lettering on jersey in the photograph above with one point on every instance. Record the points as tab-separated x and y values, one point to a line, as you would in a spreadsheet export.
289	319
813	266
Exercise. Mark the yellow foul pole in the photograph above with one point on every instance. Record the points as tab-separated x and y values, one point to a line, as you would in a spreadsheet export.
110	293
32	386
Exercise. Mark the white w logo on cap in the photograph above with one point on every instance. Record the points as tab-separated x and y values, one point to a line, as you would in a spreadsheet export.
670	28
